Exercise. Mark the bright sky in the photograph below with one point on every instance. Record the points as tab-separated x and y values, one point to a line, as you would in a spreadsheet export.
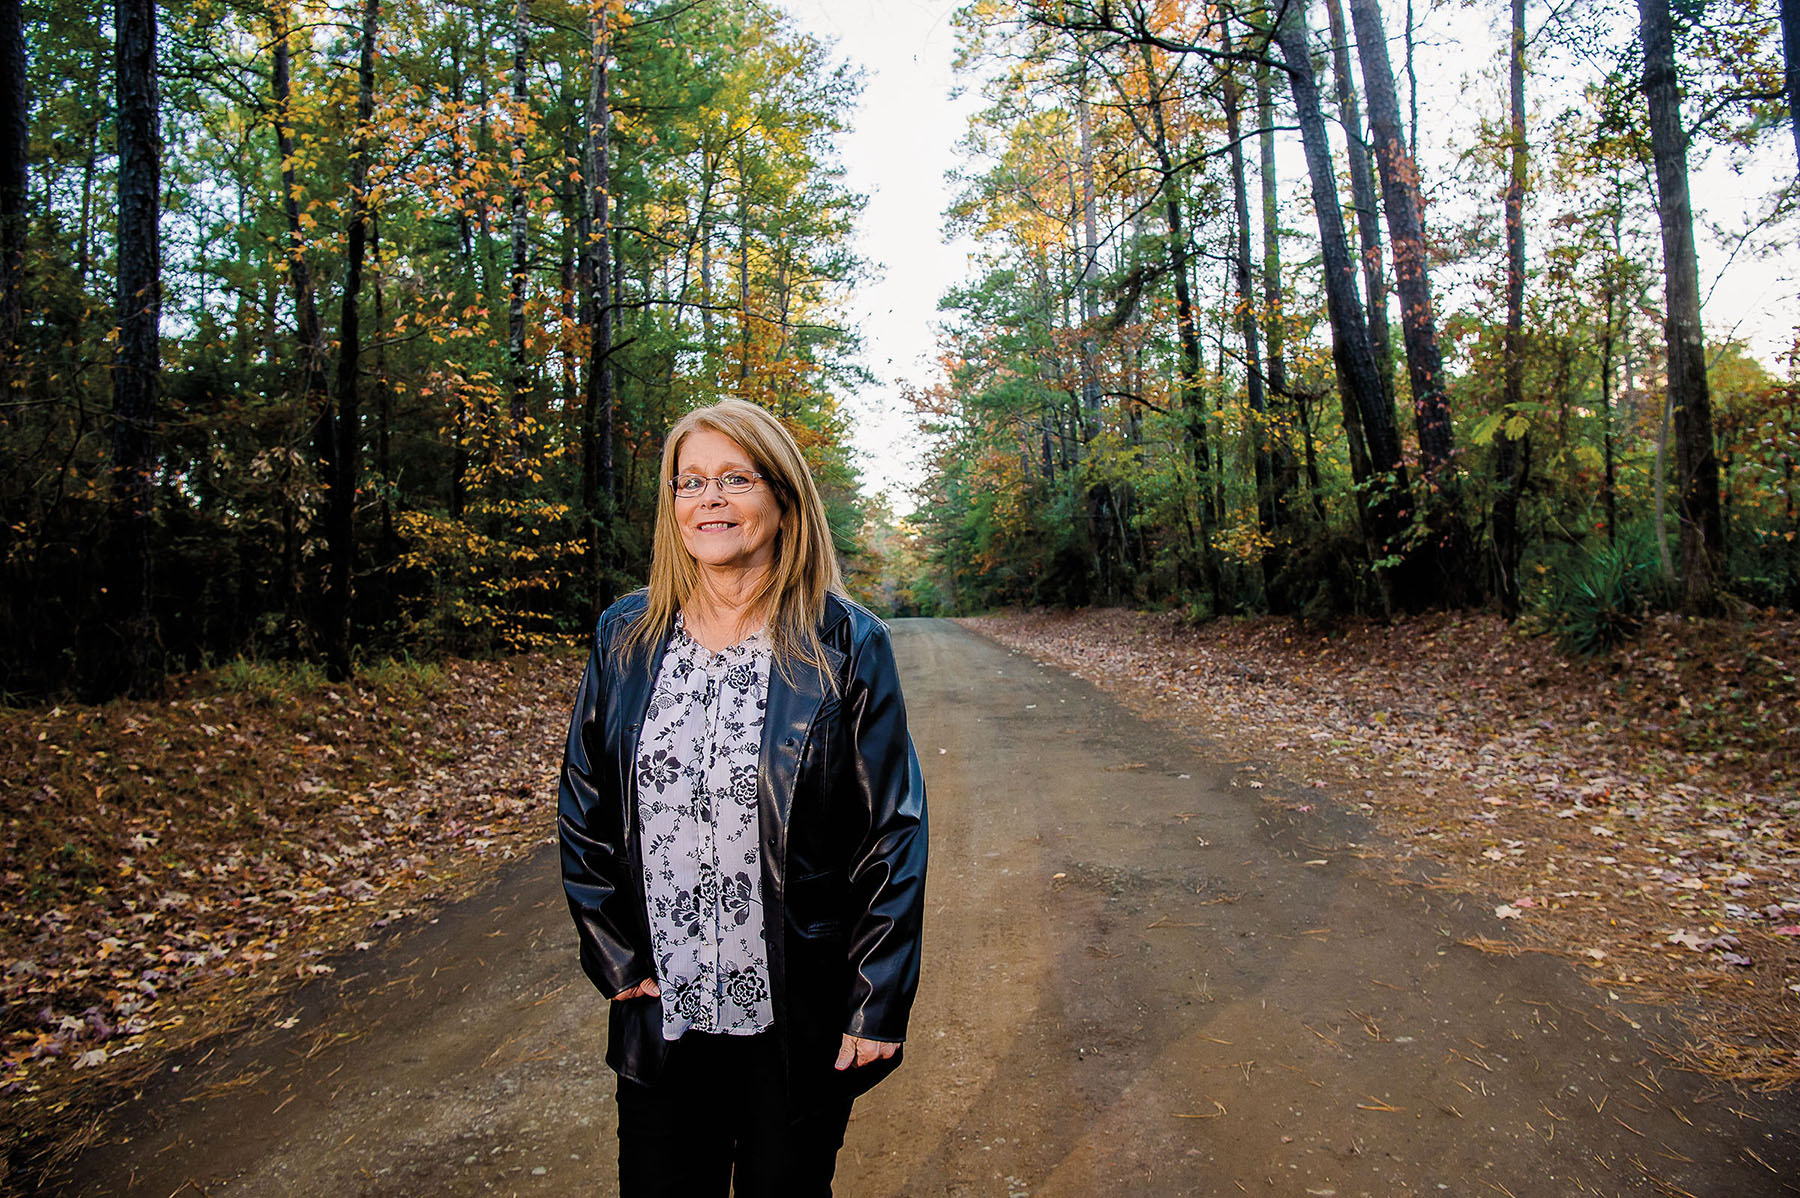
904	141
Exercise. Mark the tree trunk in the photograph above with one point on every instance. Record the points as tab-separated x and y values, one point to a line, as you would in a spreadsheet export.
1793	518
1100	499
1610	492
1187	335
384	404
1310	449
706	272
1505	518
306	315
1406	229
1253	377
340	502
1273	334
520	380
1362	195
1090	264
1697	470
743	269
568	278
1412	87
472	417
297	595
1660	488
460	436
1219	337
137	370
15	137
84	238
1271	230
1790	58
578	221
1358	378
484	228
597	431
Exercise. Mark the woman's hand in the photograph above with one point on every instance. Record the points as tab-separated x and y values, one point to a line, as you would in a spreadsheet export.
856	1051
644	989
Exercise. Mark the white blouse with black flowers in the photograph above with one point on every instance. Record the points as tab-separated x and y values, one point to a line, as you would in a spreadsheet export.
696	789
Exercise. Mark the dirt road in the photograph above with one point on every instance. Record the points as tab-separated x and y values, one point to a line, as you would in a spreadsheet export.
1150	969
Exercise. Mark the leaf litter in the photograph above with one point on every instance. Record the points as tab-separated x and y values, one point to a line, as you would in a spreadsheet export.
1637	815
174	868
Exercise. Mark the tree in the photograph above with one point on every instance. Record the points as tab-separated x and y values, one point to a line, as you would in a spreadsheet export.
597	483
1697	468
277	425
520	381
1359	380
1192	400
1513	447
1271	226
344	422
1790	56
1266	498
298	268
1406	229
137	369
1362	194
15	145
1274	333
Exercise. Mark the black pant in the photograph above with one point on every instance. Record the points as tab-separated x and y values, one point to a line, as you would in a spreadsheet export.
719	1119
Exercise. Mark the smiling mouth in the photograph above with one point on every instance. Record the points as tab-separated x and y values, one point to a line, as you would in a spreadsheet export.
715	525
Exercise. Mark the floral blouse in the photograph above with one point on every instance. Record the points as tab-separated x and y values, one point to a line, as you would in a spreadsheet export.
696	786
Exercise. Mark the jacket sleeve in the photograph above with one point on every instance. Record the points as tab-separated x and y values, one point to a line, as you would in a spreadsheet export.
590	822
887	869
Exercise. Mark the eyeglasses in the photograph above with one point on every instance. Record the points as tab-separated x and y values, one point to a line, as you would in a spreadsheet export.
732	482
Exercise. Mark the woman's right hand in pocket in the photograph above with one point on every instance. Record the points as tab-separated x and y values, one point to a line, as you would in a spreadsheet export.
644	989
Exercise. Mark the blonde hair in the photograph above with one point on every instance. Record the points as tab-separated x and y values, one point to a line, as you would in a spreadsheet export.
805	565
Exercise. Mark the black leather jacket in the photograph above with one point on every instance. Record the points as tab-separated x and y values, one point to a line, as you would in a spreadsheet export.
842	823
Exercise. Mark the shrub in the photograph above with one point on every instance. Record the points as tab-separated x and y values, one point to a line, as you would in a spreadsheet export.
1598	599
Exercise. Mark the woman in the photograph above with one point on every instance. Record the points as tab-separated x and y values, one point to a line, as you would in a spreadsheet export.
743	829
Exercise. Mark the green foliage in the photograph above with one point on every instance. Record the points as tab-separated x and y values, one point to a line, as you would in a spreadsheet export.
403	676
1086	454
268	682
1600	596
1088	447
476	505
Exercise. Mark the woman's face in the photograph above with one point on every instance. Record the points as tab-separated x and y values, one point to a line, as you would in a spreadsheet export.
726	532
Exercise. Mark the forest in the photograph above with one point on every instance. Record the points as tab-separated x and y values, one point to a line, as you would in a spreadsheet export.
1198	369
339	332
1340	398
345	332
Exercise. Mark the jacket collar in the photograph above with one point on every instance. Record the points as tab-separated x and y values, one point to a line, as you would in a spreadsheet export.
634	686
793	703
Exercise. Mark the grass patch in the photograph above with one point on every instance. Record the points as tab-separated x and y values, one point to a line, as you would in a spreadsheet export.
265	681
